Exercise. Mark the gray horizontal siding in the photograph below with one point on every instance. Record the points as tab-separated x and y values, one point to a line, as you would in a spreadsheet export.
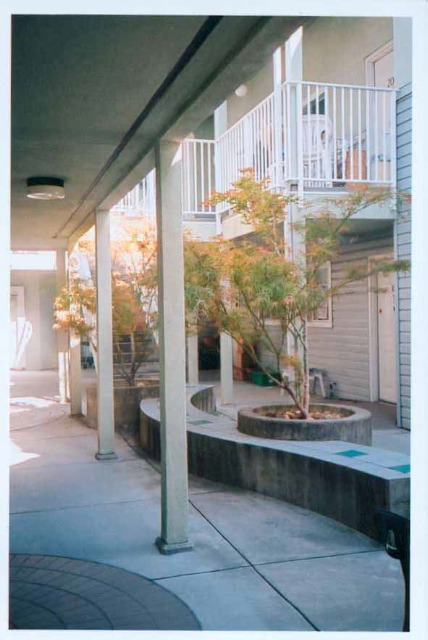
343	350
403	250
264	354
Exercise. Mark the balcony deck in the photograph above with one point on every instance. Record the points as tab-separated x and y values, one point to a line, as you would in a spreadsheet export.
315	139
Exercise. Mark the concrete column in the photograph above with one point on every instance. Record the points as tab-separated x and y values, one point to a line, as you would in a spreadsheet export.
294	73
75	370
220	126
294	56
62	337
278	124
226	368
172	346
75	375
105	391
192	359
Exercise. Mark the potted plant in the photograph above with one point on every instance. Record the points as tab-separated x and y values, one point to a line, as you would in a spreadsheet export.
247	285
134	317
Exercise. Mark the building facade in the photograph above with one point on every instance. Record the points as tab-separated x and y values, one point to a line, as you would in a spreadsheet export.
331	111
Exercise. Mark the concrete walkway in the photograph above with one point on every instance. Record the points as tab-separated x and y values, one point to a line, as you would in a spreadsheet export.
258	563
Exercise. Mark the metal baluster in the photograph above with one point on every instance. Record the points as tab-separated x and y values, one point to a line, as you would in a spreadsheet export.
308	132
202	153
263	118
351	129
259	143
284	135
209	162
376	135
359	137
368	135
318	146
327	168
288	141
299	141
344	151
188	176
384	135
195	179
334	135
392	129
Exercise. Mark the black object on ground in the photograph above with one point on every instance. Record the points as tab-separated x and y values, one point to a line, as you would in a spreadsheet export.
395	532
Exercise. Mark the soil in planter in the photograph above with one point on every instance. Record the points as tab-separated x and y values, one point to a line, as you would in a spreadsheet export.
295	414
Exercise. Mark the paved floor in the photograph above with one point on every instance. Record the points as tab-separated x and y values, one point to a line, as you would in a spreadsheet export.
53	592
386	434
258	563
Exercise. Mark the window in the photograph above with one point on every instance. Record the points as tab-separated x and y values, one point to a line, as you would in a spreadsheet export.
33	260
313	106
322	317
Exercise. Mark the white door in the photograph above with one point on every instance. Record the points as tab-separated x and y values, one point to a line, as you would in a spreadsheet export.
20	329
386	338
13	328
380	73
384	71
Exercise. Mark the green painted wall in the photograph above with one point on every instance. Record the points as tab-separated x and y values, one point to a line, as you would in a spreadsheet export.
334	49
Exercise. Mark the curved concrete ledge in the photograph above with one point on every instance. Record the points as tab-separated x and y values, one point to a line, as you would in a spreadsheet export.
341	480
355	425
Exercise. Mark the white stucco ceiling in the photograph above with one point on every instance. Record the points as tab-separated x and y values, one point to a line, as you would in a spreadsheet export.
92	94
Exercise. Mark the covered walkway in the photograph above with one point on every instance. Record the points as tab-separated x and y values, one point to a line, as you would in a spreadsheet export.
257	563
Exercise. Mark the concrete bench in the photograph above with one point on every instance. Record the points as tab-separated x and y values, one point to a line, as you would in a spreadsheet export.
341	480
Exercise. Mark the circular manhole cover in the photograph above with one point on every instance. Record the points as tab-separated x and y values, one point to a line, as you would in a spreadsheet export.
52	592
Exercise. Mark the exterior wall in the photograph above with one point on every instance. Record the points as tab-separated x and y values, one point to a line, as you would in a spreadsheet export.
266	357
234	227
343	350
201	229
206	129
334	49
258	87
39	295
402	51
403	249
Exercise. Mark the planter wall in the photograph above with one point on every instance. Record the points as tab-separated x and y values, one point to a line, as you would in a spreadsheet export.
346	489
354	426
126	405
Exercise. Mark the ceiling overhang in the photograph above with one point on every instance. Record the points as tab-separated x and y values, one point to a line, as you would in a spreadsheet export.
91	95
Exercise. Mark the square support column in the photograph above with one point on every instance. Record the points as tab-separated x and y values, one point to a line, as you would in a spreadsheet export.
62	335
75	364
226	368
105	391
75	368
193	357
172	346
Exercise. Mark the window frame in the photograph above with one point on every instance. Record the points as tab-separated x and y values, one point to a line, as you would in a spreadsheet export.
326	323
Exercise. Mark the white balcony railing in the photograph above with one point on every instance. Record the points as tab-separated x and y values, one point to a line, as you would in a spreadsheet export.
343	133
249	143
141	200
305	134
314	135
197	176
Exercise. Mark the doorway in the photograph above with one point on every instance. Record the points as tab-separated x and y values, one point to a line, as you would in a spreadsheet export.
383	338
380	66
17	328
386	338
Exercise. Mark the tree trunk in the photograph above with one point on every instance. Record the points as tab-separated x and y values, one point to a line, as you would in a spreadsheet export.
306	393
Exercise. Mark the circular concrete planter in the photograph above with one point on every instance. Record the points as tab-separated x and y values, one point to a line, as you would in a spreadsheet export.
126	404
354	426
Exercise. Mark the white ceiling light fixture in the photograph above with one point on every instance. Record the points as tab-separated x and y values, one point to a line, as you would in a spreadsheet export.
45	188
241	91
